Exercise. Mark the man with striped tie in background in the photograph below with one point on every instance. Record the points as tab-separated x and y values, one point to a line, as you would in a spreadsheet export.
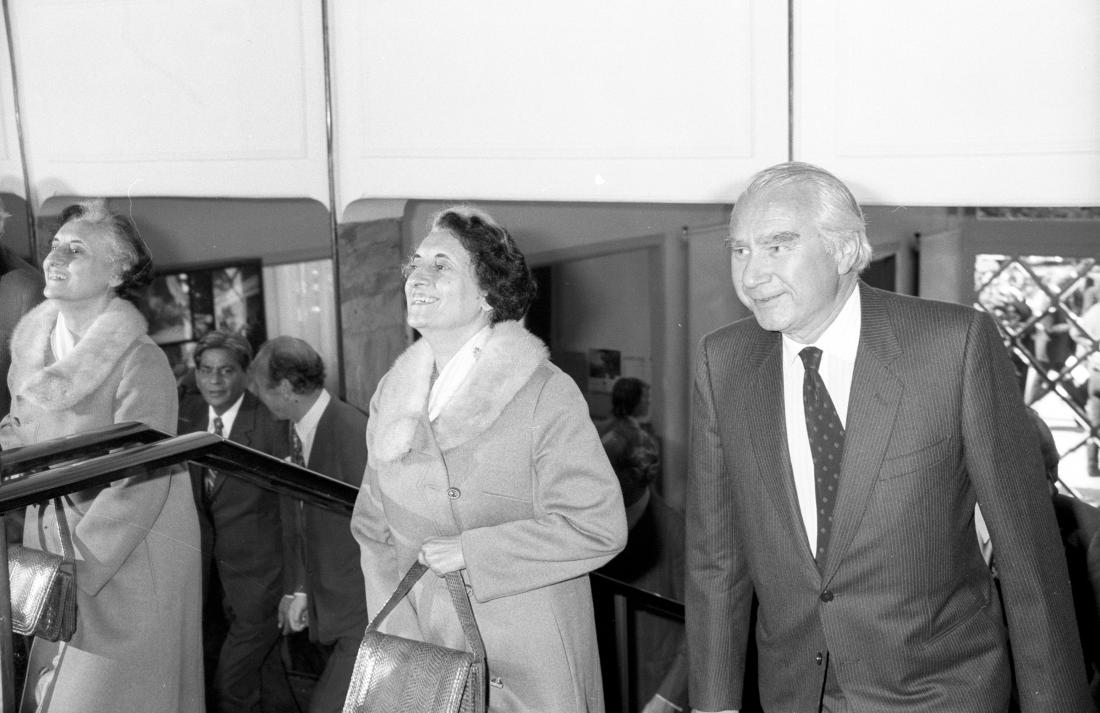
240	524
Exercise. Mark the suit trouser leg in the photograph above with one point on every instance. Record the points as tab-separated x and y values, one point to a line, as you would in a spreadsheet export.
252	611
332	687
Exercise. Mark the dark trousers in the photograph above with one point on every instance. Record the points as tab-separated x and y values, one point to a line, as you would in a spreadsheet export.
332	687
240	630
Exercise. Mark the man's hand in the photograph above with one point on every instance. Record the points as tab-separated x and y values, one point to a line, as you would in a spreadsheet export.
442	555
293	612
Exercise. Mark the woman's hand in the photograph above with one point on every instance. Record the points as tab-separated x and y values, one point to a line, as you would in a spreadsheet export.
442	555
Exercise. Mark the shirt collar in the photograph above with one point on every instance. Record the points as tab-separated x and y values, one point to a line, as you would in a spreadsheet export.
840	339
228	417
308	423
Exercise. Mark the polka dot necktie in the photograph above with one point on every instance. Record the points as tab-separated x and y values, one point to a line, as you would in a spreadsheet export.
826	445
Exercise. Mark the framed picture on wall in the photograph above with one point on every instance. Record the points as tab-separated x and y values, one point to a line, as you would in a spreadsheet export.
182	305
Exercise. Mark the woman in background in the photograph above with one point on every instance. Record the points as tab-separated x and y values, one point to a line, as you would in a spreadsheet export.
482	459
81	360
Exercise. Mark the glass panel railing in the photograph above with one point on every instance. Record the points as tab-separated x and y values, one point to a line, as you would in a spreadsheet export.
629	622
35	474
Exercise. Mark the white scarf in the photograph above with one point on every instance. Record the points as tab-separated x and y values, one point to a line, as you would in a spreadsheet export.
62	341
455	372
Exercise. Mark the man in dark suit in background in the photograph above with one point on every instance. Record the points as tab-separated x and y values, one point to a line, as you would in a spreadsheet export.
240	524
328	436
1079	526
837	484
20	289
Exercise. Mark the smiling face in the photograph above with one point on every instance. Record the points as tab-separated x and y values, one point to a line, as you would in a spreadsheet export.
781	267
220	379
82	264
441	290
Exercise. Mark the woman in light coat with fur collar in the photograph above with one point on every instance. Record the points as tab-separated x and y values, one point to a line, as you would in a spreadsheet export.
81	360
482	458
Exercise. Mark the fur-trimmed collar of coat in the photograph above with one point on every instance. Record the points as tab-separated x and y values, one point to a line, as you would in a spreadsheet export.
65	382
506	362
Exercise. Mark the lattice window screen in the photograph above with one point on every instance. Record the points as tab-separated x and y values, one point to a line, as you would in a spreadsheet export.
1048	309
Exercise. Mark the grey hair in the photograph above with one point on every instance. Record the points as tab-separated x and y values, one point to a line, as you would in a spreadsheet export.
129	251
839	217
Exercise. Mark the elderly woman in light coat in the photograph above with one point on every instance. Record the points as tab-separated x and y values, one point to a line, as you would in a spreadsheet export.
82	360
482	458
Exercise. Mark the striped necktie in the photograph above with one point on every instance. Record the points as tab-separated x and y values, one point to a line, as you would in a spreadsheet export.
210	477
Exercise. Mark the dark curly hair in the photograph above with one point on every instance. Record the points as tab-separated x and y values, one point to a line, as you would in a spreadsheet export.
499	265
626	394
131	253
292	359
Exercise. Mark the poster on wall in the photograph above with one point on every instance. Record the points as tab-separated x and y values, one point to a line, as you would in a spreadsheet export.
183	305
604	366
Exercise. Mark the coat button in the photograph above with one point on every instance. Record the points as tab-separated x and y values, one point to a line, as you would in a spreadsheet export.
454	493
827	596
819	658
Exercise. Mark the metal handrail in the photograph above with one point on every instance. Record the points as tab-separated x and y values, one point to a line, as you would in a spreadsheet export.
83	445
201	448
640	598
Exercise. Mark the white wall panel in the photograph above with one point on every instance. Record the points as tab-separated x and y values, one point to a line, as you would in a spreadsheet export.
11	167
951	102
571	100
154	97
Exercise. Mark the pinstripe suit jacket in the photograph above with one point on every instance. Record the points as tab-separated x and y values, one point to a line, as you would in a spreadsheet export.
905	606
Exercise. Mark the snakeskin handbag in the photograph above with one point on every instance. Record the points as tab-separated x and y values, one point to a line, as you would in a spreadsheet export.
397	675
43	587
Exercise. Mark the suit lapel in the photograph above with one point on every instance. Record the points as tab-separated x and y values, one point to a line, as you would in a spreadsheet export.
245	422
241	432
769	439
320	454
872	409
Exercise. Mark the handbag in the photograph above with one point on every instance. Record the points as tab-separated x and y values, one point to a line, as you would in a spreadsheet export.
397	675
43	587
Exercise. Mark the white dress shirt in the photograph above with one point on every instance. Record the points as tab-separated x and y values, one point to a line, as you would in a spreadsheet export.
838	345
306	428
227	418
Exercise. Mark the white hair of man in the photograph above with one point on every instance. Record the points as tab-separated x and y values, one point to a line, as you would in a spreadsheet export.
839	217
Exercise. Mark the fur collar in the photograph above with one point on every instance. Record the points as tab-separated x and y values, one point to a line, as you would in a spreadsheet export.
65	382
507	361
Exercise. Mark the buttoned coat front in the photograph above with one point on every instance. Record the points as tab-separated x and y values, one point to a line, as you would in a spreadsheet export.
905	608
137	646
514	466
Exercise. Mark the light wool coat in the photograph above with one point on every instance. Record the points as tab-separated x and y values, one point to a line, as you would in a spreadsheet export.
514	466
137	646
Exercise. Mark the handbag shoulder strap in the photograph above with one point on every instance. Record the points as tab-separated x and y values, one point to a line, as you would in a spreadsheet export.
411	577
459	598
63	533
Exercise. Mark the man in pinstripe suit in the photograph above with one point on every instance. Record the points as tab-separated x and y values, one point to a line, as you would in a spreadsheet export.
872	597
